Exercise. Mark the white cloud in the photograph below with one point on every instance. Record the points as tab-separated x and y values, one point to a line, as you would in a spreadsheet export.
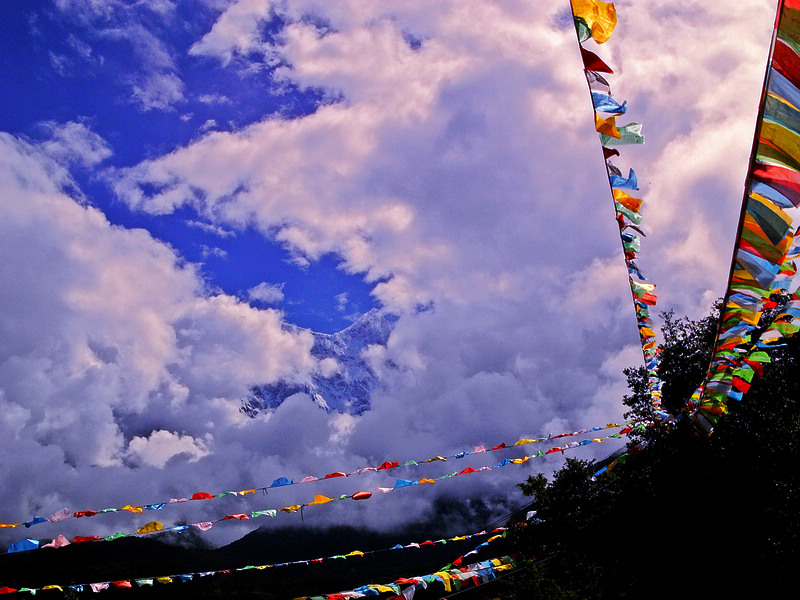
108	337
268	293
158	90
462	176
341	301
83	49
162	445
208	228
208	125
156	84
60	63
74	143
236	31
216	252
214	99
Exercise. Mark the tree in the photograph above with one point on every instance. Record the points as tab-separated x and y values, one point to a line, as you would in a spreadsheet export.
689	514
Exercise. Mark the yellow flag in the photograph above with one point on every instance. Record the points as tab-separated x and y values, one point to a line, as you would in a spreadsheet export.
445	580
749	316
785	140
318	499
150	527
601	17
607	126
133	509
627	200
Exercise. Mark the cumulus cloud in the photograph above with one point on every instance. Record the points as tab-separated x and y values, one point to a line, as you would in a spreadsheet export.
73	142
112	351
461	173
236	31
454	166
268	293
162	445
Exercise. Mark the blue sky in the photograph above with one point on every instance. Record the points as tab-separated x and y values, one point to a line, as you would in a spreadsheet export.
58	69
181	182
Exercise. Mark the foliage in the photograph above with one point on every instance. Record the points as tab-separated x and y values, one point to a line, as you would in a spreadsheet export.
688	515
684	358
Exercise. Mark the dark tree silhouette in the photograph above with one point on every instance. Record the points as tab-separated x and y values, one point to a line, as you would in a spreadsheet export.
688	516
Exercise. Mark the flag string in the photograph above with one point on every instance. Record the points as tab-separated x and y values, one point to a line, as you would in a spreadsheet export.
280	482
158	528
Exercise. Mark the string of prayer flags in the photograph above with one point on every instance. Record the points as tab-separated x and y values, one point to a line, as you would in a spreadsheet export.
65	513
763	273
156	527
451	578
596	20
495	535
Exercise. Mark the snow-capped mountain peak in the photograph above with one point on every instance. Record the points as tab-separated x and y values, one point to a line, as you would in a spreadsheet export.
346	389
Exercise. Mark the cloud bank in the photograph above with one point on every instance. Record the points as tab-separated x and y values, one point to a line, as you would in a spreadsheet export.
453	165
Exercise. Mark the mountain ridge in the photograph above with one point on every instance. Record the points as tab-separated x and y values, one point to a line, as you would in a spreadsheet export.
346	390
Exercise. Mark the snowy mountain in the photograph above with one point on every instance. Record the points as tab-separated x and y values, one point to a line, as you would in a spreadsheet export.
349	388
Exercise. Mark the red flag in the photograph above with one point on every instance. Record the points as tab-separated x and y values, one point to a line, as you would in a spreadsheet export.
786	61
740	385
784	180
592	62
756	366
609	152
648	298
88	538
